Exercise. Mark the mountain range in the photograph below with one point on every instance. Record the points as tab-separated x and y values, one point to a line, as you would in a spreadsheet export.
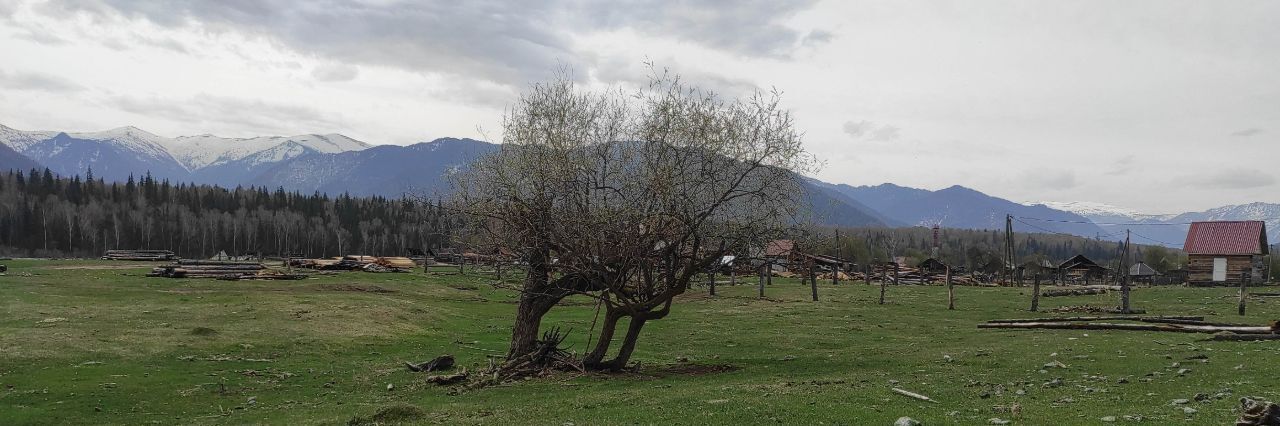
335	164
1168	229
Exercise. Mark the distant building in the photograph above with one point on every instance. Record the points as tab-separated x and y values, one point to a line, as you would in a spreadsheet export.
1141	272
1221	253
1081	268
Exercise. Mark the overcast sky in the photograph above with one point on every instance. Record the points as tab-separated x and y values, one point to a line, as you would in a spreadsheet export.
1161	106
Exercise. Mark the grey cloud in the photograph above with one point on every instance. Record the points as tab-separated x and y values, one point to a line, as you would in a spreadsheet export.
1048	179
858	129
1247	132
513	43
1229	179
1123	166
616	69
752	27
335	72
37	82
885	133
817	37
863	129
41	37
222	112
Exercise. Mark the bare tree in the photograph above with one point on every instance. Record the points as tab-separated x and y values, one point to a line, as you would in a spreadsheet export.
625	197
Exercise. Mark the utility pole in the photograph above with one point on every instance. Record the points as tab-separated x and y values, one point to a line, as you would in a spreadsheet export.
1008	249
1124	279
951	292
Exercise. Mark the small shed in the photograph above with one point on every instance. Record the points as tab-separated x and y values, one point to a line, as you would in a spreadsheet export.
932	266
1221	253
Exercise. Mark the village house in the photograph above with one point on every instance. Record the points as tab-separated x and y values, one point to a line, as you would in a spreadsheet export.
1222	253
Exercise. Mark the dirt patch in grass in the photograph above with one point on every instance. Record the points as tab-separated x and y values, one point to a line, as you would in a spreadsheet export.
399	413
203	331
366	288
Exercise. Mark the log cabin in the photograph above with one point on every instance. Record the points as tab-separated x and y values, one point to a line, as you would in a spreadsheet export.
1220	253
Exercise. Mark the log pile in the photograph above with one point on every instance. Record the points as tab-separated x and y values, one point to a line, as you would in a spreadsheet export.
1166	324
356	263
396	262
265	274
916	276
1072	292
207	269
141	255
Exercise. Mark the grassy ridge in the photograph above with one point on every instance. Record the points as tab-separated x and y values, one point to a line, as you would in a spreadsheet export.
80	345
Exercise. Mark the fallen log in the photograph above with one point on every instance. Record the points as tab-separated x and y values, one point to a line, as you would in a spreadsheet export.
442	362
1073	292
1178	328
1105	318
911	394
448	379
1227	337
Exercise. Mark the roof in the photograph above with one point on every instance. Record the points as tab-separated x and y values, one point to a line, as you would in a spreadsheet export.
1079	261
932	263
1227	238
779	248
1141	269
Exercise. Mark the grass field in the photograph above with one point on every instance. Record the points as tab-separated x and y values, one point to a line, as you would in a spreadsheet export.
89	342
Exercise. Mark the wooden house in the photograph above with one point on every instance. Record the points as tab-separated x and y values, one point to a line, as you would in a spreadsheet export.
1081	268
1221	253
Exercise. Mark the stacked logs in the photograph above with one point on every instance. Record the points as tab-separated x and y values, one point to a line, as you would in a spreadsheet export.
207	269
357	263
141	255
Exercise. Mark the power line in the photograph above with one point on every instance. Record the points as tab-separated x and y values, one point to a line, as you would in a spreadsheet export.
1152	239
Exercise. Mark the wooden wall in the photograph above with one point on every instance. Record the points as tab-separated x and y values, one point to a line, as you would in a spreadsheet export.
1200	269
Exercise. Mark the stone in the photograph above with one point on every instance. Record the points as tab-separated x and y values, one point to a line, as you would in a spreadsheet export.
1180	401
1109	419
997	421
906	421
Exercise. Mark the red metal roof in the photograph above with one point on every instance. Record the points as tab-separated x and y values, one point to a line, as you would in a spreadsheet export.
1227	238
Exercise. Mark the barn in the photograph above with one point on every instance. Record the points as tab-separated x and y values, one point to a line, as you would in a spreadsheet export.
1221	253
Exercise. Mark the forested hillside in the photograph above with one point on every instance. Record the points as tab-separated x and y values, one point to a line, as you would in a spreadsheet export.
45	215
42	214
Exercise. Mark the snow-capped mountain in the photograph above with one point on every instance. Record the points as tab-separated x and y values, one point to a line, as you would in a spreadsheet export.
118	153
1090	209
112	154
213	159
20	140
197	152
1168	229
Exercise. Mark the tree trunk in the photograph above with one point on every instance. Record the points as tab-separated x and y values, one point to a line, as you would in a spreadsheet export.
628	345
534	303
593	359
